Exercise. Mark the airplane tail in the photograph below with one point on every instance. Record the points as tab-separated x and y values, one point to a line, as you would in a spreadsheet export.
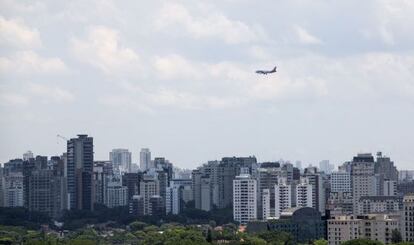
274	69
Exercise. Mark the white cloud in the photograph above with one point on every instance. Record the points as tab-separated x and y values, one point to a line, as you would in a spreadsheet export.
305	37
103	50
50	93
176	67
29	62
204	25
13	99
16	34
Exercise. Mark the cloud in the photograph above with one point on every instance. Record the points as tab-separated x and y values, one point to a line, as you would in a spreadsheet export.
29	62
176	67
50	93
15	33
102	49
13	99
305	37
213	24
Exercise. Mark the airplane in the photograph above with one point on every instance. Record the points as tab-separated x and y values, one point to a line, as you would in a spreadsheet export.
266	72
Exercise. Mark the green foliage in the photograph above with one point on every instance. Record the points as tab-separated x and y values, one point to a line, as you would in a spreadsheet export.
320	242
361	242
276	237
396	236
137	226
22	217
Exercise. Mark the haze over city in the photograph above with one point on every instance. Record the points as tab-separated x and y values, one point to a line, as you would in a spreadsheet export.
179	78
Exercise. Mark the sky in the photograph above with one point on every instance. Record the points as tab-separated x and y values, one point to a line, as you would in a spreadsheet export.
179	77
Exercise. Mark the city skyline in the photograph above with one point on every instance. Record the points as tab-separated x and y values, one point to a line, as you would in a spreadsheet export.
136	158
179	77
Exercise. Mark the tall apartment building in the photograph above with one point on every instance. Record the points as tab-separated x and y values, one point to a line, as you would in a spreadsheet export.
13	183
80	172
178	194
266	214
132	182
283	197
244	198
389	188
136	205
304	194
385	167
145	159
27	155
364	181
148	188
115	193
121	160
407	221
102	171
316	179
206	186
267	176
228	169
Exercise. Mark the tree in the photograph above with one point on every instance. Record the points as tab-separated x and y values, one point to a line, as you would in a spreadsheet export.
320	242
137	226
362	242
276	237
396	236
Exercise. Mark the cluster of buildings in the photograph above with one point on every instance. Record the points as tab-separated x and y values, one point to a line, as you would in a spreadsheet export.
366	197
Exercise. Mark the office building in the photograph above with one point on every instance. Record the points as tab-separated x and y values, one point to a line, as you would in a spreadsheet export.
80	172
121	160
145	159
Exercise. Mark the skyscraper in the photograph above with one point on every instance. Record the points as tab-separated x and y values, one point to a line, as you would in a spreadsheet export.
121	160
80	172
145	159
27	155
364	182
244	198
283	197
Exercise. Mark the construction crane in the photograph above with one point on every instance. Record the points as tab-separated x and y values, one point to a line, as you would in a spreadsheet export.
60	137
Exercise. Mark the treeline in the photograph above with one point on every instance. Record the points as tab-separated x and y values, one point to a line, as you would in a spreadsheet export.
116	217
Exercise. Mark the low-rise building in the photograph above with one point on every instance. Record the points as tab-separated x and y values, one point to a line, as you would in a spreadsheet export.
376	227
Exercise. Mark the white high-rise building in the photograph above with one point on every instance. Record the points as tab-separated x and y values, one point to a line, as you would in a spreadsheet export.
341	181
390	188
145	159
304	194
244	198
121	160
115	194
266	204
283	197
13	190
27	155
